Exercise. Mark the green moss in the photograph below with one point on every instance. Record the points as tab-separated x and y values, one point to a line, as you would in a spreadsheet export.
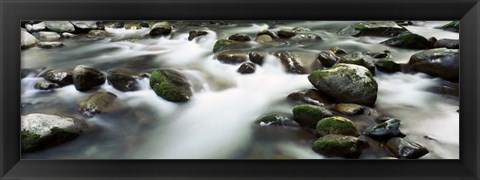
116	76
170	85
339	145
453	24
308	115
220	43
361	26
29	141
337	125
268	118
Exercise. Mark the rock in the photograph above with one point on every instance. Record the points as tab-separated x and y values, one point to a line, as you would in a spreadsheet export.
84	25
339	51
144	24
86	78
358	59
99	102
68	35
264	38
447	43
122	81
334	145
379	55
431	41
306	37
161	29
373	28
221	43
440	62
382	119
246	68
328	58
291	63
60	26
27	40
45	85
96	33
301	29
171	85
308	115
348	108
277	120
232	57
35	27
386	130
50	45
39	131
404	149
256	57
336	125
59	76
239	37
118	25
453	26
196	33
408	41
286	33
132	26
346	83
308	96
267	32
388	66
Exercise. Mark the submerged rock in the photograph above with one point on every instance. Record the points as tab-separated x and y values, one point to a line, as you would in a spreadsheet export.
336	125
308	96
447	43
334	145
328	58
239	37
39	131
60	26
59	76
45	85
348	108
221	44
290	62
50	45
440	62
256	57
97	103
373	28
388	66
346	83
404	149
408	41
27	40
232	56
453	26
358	59
161	29
86	78
122	81
246	68
171	85
386	130
196	33
308	115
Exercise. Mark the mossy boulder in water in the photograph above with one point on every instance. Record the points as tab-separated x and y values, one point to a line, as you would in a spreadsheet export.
196	33
334	145
336	125
308	115
373	28
97	103
346	83
86	78
440	62
232	57
59	76
358	59
328	58
122	81
221	43
408	41
171	85
453	26
404	149
386	130
39	131
161	29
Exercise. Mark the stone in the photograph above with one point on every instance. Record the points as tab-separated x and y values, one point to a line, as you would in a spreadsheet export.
408	41
246	68
59	76
239	37
45	85
327	58
358	59
86	78
388	66
161	29
27	40
256	57
122	81
50	45
334	145
60	26
232	57
373	28
404	149
348	108
336	125
386	130
308	115
171	85
291	63
99	102
447	43
439	62
196	33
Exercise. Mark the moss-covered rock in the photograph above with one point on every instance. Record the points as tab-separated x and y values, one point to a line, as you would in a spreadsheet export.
334	145
161	29
246	68
404	149
291	63
308	115
221	43
373	28
171	85
336	125
97	103
346	83
196	33
327	58
86	78
358	59
388	66
408	41
453	26
386	130
122	81
308	96
239	37
59	76
348	108
440	62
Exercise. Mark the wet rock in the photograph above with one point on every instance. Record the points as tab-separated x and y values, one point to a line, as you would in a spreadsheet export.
279	126
221	44
346	83
348	108
48	35
144	24
96	33
68	35
405	23
59	76
453	26
386	130
118	25
308	115
256	57
308	96
45	85
291	63
277	120
379	55
336	125
86	78
301	29
440	62
239	37
286	33
39	131
232	57
408	41
171	85
35	27
267	32
27	40
306	37
388	66
122	81
196	33
447	43
373	28
133	26
404	149
246	68
358	59
339	51
446	88
99	102
334	145
161	29
264	38
84	25
60	26
382	119
50	45
328	58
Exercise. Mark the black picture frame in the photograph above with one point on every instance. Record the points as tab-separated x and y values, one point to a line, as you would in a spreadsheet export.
13	11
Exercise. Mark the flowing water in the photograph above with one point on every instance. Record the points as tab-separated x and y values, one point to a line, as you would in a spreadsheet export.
217	122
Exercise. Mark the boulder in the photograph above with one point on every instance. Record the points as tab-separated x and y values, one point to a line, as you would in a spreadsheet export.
171	85
48	35
346	83
386	130
232	57
447	43
122	81
358	59
99	102
328	58
221	44
68	35
308	115
379	55
59	76
35	27
339	51
408	41
264	38
291	63
334	145
348	108
196	33
45	85
27	40
388	66
440	62
84	25
246	68
239	37
336	125
404	149
161	29
373	28
60	26
96	33
256	57
86	78
286	33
